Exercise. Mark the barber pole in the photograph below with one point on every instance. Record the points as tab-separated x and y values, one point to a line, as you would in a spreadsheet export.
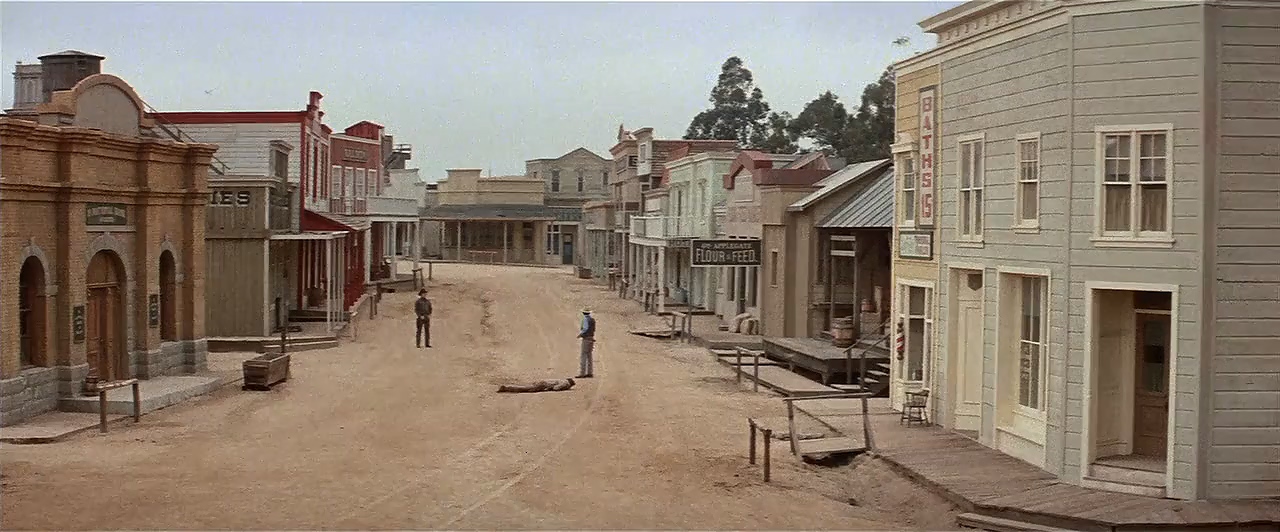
902	341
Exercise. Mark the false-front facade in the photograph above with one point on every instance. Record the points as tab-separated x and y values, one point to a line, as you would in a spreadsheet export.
1107	303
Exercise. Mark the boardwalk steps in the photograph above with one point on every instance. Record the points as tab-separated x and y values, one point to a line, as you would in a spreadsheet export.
785	382
999	524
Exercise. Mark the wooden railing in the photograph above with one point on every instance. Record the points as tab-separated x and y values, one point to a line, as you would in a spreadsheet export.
862	355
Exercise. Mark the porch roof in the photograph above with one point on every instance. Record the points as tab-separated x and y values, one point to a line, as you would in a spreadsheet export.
837	181
496	212
323	221
871	207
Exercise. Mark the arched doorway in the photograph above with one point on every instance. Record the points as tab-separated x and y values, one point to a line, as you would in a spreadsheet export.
168	283
31	313
105	319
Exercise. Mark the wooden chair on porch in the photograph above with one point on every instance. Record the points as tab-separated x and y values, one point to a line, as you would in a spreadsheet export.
915	408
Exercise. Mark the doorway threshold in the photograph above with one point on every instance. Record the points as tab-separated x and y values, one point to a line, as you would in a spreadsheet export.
1133	474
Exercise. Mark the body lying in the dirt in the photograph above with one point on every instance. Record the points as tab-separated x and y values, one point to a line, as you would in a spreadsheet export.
549	385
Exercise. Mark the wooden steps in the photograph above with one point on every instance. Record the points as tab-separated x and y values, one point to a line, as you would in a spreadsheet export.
786	382
998	524
828	446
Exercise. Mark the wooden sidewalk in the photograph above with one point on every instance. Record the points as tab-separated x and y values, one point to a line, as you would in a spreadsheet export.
984	481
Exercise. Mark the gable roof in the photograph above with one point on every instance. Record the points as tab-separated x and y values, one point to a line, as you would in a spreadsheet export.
838	181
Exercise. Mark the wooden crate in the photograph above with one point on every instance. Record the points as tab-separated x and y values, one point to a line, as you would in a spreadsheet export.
262	372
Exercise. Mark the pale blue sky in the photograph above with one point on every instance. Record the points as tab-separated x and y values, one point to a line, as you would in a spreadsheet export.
484	85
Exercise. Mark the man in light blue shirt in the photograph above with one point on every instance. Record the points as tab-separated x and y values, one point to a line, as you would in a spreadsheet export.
588	336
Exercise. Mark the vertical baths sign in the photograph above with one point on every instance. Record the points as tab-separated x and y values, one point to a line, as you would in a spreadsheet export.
928	156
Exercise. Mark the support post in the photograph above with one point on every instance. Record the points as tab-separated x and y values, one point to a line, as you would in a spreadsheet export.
662	278
137	402
102	409
738	366
755	386
768	441
368	254
458	243
329	291
751	447
504	242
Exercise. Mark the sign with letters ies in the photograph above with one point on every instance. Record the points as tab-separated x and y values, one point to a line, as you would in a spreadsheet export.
725	252
153	310
915	245
105	214
928	157
77	324
230	198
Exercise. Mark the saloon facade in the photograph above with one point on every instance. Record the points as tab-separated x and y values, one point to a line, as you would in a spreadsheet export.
104	265
1106	306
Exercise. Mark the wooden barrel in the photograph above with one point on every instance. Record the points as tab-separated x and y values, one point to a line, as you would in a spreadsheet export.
842	332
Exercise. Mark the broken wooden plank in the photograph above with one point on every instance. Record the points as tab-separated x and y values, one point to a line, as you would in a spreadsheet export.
832	445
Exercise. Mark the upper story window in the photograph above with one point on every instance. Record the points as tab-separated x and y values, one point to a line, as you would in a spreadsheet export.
279	163
604	179
972	177
644	152
908	190
1133	167
632	161
335	189
1028	193
582	179
555	181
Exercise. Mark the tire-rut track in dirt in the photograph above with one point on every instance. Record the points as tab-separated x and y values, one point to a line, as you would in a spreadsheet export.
559	443
468	289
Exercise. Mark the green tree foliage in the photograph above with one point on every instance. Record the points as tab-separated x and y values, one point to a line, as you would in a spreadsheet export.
859	136
780	139
824	121
738	110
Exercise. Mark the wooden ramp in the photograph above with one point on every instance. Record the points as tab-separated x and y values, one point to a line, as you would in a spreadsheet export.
786	382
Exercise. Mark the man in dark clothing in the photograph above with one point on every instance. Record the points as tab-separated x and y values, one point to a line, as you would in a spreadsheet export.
422	308
588	336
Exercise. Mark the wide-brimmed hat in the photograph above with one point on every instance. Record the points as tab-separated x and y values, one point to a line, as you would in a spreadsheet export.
586	311
422	292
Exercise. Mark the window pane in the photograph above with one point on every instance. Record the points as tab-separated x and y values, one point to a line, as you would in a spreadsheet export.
977	211
916	303
977	164
1154	203
1155	354
1153	145
909	205
1029	375
1030	197
964	212
965	164
915	349
1115	215
1151	170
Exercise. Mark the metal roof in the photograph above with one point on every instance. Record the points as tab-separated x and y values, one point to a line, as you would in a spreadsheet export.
871	207
837	181
487	212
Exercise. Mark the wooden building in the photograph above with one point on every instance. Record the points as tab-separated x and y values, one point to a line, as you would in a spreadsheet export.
1107	304
492	219
103	246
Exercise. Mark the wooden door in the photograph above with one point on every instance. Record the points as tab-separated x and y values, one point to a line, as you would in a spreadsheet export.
1151	389
93	331
968	335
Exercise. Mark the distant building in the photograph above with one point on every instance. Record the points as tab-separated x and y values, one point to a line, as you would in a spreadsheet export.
571	180
492	219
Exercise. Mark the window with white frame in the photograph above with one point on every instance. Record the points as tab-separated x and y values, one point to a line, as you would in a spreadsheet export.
917	329
360	186
349	181
1032	303
335	184
1134	168
555	181
908	191
1028	193
970	190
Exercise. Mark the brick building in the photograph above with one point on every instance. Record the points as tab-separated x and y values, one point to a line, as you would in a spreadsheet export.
102	249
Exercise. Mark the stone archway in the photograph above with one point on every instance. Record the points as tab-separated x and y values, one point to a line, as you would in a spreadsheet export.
168	297
106	348
32	314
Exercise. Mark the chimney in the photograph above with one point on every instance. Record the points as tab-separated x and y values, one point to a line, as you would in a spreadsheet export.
63	70
26	86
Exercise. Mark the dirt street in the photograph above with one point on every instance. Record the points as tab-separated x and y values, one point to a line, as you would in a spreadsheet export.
376	434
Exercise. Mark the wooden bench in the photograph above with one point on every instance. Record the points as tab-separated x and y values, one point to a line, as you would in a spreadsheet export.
103	387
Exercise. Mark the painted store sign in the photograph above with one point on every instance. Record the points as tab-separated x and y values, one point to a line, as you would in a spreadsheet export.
928	156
